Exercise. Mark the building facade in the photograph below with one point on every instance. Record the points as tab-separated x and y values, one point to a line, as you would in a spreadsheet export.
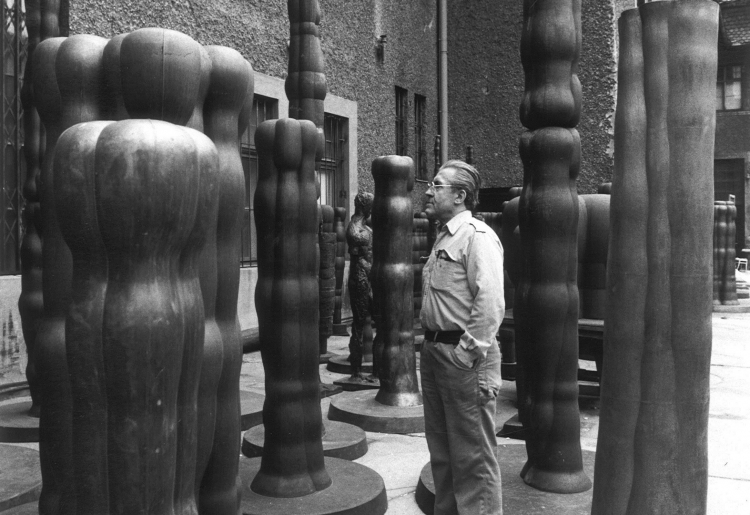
381	70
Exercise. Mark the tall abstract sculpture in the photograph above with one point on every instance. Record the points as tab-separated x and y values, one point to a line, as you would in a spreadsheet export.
546	301
339	214
652	448
286	298
393	279
30	302
231	81
725	286
287	302
326	278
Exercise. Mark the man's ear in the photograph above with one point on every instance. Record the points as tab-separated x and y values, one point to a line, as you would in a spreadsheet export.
461	197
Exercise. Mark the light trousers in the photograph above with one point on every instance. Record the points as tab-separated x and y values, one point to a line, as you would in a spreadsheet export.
459	416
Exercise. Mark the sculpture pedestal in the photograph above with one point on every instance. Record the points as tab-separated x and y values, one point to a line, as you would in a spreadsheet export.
339	364
340	440
352	385
361	409
325	357
356	490
16	425
251	409
340	330
512	428
20	476
518	497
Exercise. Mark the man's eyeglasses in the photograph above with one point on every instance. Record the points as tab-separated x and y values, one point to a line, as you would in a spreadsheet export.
432	186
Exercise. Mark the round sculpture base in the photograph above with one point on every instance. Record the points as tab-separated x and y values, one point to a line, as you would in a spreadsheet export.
742	306
340	330
339	364
356	490
325	357
31	508
512	428
352	385
251	409
16	425
361	409
340	440
20	476
328	389
518	497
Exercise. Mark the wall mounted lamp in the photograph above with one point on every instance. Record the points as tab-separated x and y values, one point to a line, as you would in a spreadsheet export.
380	48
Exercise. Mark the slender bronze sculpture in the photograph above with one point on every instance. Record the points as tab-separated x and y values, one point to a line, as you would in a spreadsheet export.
326	279
393	280
231	80
652	446
30	302
725	287
339	228
287	304
592	258
546	301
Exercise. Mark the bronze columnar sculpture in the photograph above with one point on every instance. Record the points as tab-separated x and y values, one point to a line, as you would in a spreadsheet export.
30	302
339	214
146	207
394	360
546	302
419	251
286	298
652	446
326	278
68	83
231	80
359	242
592	258
725	287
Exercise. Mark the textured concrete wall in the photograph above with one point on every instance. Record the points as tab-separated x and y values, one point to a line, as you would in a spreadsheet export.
486	85
259	30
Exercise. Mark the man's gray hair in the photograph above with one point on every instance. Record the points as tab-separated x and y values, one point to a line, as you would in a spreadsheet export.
466	178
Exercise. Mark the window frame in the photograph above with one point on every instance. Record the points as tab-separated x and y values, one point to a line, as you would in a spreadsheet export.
721	83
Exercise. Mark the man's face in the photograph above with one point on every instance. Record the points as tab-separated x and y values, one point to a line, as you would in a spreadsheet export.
440	201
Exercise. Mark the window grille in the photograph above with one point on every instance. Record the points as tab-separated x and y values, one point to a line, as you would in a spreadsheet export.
402	121
420	128
264	108
14	58
729	88
331	169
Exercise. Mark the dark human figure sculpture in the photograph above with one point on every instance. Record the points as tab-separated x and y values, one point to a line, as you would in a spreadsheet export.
394	359
146	207
231	81
286	298
359	242
725	287
652	454
546	299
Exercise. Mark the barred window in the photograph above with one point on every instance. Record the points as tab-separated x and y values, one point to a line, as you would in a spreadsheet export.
729	88
264	108
402	121
11	179
420	128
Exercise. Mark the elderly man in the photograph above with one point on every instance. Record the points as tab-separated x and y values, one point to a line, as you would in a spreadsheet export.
462	310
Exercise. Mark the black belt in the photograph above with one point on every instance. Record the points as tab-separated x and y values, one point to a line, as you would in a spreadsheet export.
452	337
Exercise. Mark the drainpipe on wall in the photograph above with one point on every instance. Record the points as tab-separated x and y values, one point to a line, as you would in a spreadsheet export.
442	51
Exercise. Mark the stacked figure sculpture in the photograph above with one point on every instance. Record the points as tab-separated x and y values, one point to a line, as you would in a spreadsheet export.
546	298
139	261
652	453
394	359
725	285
